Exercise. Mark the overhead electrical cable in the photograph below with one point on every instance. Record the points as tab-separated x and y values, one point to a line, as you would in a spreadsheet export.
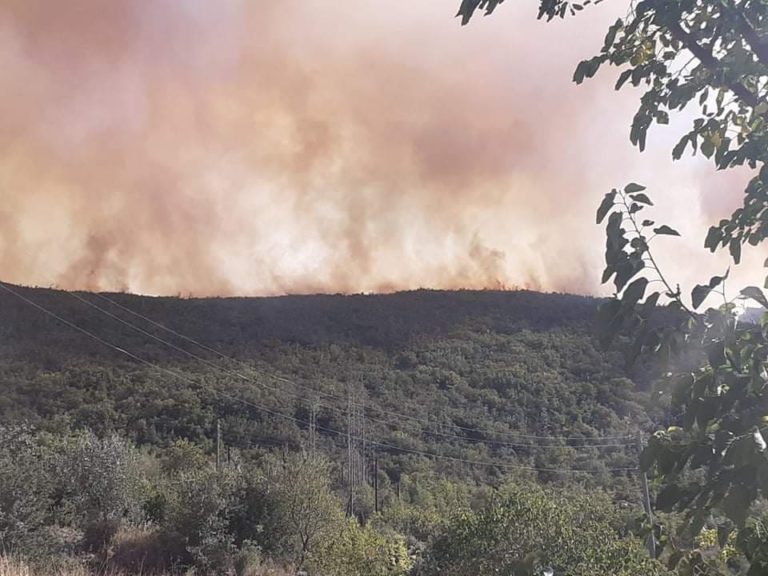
336	408
182	377
628	438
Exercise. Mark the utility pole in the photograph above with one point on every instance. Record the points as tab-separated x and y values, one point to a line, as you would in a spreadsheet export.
218	444
361	432
357	472
350	465
647	501
313	428
375	484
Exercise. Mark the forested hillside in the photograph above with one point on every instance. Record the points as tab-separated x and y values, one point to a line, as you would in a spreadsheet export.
424	413
473	376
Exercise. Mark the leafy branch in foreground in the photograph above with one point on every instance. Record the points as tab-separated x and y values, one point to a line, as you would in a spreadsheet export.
711	54
713	462
630	264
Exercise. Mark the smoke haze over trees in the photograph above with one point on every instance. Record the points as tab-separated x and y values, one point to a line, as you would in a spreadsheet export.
252	148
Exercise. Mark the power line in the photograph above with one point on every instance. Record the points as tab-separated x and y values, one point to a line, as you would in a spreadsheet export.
629	439
199	344
352	403
501	442
499	465
136	357
178	348
279	414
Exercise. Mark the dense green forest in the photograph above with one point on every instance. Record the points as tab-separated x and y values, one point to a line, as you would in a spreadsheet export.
454	401
470	375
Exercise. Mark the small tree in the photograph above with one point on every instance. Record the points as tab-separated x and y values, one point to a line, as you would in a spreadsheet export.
101	480
524	530
25	490
306	510
183	456
362	550
199	513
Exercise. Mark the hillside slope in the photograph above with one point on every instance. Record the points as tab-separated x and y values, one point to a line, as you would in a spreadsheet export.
470	383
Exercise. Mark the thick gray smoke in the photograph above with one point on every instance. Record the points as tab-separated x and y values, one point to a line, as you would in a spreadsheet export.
254	147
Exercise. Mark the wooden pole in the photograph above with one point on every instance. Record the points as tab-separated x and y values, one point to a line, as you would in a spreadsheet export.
313	428
350	464
218	444
376	485
647	501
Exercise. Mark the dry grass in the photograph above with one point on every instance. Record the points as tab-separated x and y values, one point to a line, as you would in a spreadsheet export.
13	567
137	551
268	570
62	567
10	567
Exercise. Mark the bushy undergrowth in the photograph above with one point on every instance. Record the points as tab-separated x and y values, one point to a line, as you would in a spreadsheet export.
469	372
10	566
79	503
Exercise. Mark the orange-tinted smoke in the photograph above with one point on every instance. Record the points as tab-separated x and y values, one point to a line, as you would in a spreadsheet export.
254	147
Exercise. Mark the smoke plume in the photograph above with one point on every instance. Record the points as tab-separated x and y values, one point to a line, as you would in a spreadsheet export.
252	147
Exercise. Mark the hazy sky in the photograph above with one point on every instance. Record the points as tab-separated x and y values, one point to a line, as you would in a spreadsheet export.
251	147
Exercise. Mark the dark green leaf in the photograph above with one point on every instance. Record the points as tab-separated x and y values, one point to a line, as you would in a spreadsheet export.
587	68
668	497
665	230
715	281
642	198
736	505
699	294
633	187
714	236
648	456
754	293
679	149
606	205
634	292
735	249
626	270
623	77
611	35
609	320
716	354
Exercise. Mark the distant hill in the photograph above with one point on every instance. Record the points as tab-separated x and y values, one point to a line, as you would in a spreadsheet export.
390	320
469	376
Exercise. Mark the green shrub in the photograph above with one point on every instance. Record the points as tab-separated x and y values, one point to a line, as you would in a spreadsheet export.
248	559
359	550
101	484
25	491
198	517
523	530
304	510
